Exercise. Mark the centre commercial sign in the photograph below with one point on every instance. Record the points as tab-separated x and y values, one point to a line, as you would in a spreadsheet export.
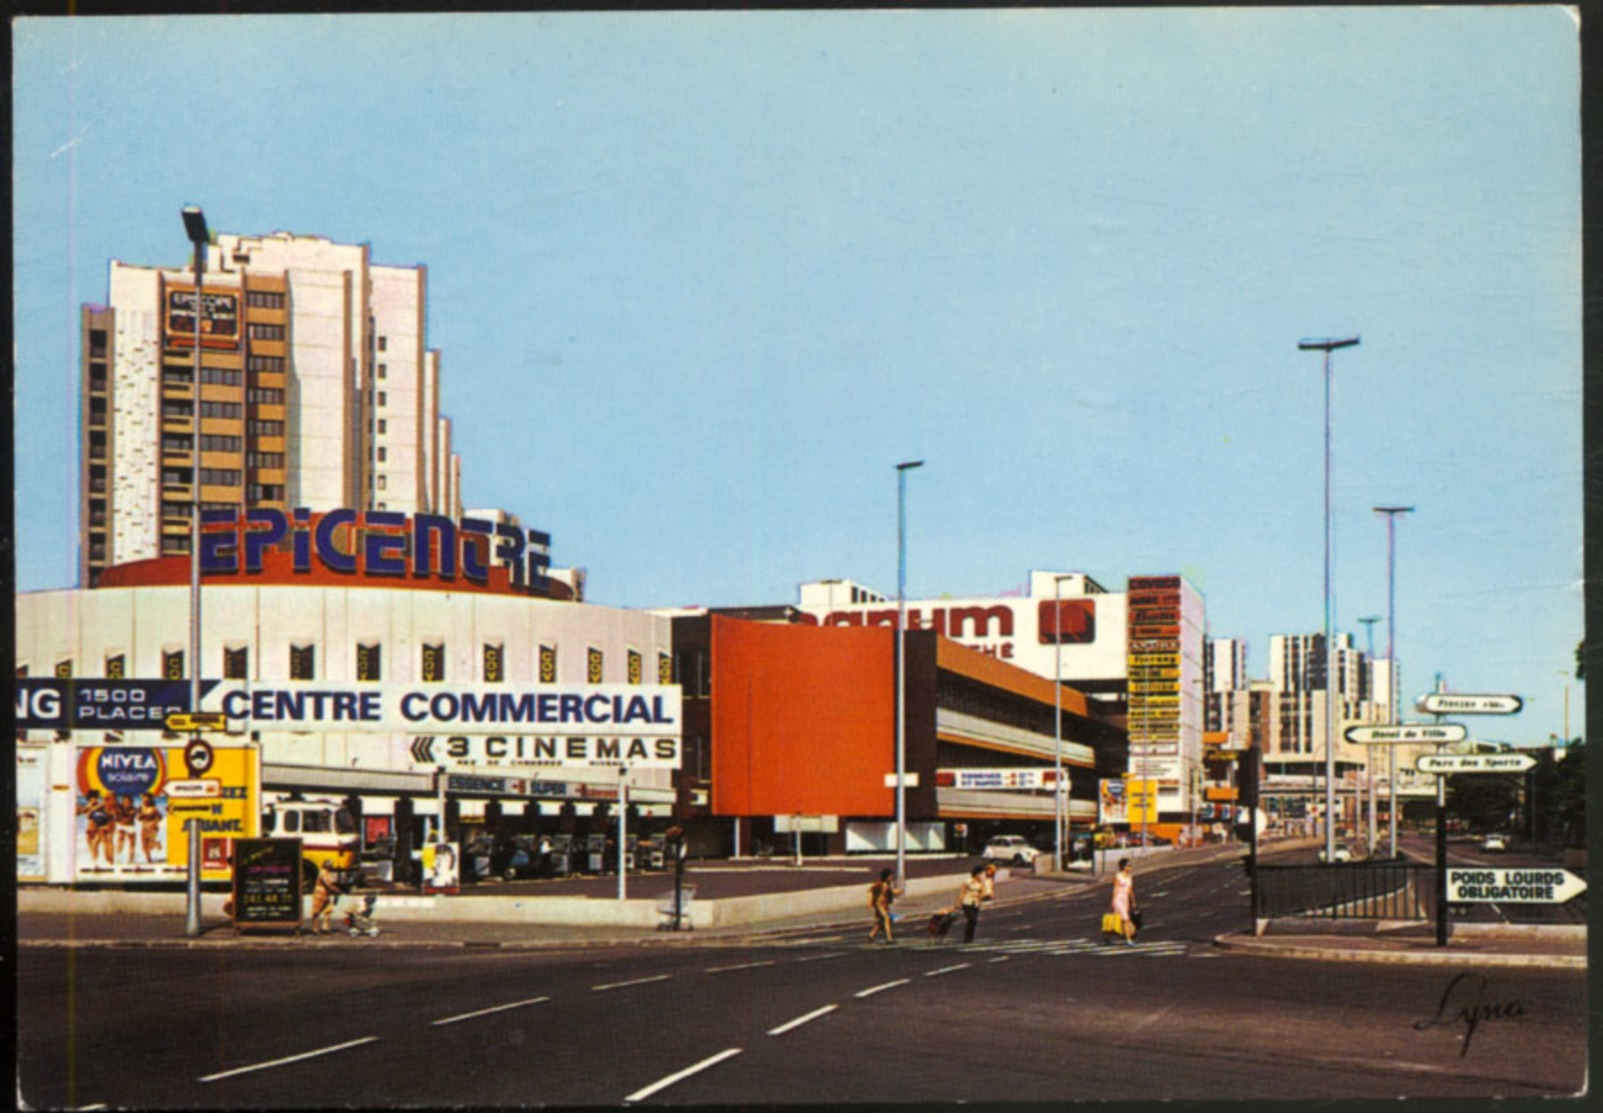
606	724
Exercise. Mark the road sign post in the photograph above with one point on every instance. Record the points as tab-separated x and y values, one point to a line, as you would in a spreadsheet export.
1451	764
1513	886
1440	703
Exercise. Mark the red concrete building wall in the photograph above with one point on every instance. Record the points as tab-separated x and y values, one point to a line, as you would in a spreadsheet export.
804	719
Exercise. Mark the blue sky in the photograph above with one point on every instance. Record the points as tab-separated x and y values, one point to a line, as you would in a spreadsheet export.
701	280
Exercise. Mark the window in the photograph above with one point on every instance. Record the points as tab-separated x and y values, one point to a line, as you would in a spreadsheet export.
494	663
383	399
177	374
175	477
224	443
302	661
172	663
369	663
177	443
230	376
593	664
266	331
383	427
116	666
235	663
664	669
64	669
381	482
257	362
383	343
267	428
383	454
383	371
177	409
433	663
231	477
636	668
258	460
273	396
548	664
216	409
267	300
263	493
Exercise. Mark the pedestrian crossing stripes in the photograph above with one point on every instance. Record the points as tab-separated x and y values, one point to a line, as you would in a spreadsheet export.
1051	947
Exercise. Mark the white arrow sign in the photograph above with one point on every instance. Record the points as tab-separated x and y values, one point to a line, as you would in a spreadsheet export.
1436	703
1405	734
1512	886
1450	764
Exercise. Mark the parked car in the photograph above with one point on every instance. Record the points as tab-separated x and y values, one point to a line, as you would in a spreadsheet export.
1494	843
1343	853
1012	848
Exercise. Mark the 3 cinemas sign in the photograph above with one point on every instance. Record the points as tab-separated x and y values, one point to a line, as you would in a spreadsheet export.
377	544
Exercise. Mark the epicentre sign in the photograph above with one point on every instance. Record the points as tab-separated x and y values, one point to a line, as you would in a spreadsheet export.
382	544
612	708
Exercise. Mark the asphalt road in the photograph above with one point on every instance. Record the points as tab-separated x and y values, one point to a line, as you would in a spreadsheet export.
1037	1010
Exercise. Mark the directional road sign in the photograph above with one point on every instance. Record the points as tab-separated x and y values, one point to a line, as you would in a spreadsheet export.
1452	764
1405	734
187	721
1512	886
1436	703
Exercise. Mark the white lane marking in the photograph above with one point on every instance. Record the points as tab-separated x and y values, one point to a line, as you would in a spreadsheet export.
821	957
1002	958
882	988
636	981
98	1107
663	1083
741	966
948	969
488	1011
288	1059
800	1020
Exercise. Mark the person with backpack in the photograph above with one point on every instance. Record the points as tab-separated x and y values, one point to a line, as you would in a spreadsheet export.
881	894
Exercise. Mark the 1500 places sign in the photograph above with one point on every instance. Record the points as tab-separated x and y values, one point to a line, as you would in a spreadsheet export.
132	807
610	710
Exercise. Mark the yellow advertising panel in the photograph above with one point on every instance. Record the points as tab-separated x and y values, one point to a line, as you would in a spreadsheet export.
1142	799
134	804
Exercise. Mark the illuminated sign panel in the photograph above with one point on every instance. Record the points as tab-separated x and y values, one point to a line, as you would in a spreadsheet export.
219	318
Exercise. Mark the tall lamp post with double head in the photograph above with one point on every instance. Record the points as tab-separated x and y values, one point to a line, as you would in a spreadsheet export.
1391	512
1329	345
195	229
901	667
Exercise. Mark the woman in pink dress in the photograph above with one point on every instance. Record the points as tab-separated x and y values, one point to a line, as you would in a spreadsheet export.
1124	899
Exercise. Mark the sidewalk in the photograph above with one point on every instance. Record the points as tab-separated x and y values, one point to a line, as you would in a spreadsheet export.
1554	946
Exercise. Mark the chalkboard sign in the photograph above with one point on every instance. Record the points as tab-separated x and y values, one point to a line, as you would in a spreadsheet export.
267	883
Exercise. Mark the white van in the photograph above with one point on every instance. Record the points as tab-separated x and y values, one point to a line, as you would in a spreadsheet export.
326	828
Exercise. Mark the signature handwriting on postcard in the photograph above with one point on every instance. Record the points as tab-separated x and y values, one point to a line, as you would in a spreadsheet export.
1465	1003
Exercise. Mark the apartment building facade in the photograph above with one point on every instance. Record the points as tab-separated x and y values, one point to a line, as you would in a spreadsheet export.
315	389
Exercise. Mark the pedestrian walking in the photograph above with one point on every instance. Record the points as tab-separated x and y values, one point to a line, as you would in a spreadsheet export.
323	893
969	898
881	894
1124	905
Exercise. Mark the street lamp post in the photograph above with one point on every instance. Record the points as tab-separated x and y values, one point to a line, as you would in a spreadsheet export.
1060	805
901	667
195	229
1391	512
1328	345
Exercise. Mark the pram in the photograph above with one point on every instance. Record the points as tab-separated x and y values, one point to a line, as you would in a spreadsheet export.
359	920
